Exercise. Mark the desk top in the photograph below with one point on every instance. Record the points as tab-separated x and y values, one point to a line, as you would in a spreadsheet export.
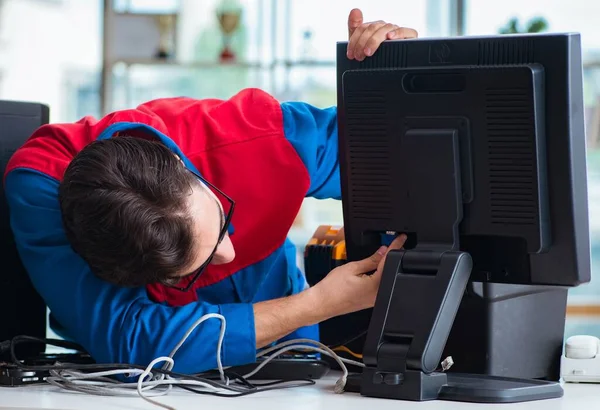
319	396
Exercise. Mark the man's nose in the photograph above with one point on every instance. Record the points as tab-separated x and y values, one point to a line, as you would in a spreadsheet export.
225	252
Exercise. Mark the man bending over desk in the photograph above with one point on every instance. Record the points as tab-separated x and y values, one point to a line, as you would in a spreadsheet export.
134	226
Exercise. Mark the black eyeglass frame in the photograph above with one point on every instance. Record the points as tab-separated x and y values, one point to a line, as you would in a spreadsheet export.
224	230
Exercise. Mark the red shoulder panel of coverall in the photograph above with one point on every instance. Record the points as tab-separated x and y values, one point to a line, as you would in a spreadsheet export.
237	144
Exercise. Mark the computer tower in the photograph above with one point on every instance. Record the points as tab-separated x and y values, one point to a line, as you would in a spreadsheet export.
22	310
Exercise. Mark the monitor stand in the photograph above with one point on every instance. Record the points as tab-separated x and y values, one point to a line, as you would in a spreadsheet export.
421	290
411	321
529	345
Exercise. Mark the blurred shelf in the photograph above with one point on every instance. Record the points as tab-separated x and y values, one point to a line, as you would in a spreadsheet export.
584	310
217	64
144	13
308	63
185	64
591	64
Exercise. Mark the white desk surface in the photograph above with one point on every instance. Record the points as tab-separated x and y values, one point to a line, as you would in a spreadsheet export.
316	397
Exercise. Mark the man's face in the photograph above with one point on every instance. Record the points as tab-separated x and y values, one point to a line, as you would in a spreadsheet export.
208	218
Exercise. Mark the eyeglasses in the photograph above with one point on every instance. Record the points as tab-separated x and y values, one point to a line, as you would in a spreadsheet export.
224	228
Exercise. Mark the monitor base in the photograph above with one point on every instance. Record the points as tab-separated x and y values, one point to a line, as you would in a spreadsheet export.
492	389
475	388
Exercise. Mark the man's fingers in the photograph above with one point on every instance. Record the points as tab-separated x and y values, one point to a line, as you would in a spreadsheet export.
402	33
353	39
365	38
378	37
369	264
355	19
360	43
397	243
376	260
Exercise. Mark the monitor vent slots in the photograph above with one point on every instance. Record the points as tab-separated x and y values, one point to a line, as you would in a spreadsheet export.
502	52
369	155
386	56
512	160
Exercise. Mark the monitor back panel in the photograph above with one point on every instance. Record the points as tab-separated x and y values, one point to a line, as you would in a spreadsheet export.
516	104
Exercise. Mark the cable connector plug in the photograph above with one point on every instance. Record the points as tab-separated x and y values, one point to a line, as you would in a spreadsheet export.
447	363
339	385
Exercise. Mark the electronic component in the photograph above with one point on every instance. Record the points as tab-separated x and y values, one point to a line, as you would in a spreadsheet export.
298	367
580	362
325	251
12	375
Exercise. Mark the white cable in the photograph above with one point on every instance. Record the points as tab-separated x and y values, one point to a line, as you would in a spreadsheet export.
219	343
305	344
140	384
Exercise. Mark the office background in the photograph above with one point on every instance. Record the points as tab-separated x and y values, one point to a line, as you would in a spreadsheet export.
57	52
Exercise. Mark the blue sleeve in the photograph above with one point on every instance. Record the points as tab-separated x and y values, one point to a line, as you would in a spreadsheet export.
313	132
113	324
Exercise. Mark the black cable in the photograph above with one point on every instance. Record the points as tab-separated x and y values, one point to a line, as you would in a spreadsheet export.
236	376
273	383
269	386
348	341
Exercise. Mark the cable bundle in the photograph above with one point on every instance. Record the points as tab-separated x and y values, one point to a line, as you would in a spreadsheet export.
98	379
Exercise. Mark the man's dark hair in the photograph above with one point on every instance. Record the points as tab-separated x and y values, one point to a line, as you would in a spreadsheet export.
124	204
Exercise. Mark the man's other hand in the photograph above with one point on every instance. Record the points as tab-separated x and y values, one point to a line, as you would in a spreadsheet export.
346	289
365	38
349	288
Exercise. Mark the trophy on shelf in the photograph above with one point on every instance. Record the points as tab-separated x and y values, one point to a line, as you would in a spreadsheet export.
229	14
166	40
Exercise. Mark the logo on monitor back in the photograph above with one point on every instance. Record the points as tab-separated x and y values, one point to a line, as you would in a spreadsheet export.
440	53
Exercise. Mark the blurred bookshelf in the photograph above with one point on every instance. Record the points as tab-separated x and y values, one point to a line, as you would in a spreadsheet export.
180	55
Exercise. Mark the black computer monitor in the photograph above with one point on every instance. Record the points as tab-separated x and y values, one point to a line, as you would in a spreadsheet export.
475	148
22	310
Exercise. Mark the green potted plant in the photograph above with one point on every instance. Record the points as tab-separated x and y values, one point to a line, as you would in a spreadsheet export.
535	25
